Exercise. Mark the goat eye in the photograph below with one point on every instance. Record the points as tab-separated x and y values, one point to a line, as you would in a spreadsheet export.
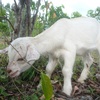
20	59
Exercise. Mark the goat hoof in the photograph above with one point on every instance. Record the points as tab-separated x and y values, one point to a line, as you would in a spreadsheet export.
80	81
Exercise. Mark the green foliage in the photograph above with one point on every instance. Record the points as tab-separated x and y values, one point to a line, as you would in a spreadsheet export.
3	27
29	74
3	23
33	5
3	64
38	27
94	13
2	45
46	86
6	11
2	91
56	13
76	14
31	97
3	60
2	12
50	14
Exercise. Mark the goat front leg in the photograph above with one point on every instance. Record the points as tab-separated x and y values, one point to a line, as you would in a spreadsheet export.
69	58
52	63
87	60
50	67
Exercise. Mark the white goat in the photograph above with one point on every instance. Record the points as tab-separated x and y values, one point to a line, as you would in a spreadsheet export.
64	39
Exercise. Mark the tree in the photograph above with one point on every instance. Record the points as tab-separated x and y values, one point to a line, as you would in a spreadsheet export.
20	17
75	14
51	14
24	21
3	23
56	13
94	13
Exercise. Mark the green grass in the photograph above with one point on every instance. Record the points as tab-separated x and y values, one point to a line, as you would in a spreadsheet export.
2	46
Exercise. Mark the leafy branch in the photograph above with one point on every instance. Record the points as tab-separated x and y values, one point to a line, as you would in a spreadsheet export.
3	17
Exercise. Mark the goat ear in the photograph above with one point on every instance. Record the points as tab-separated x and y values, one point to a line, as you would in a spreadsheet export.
4	51
32	54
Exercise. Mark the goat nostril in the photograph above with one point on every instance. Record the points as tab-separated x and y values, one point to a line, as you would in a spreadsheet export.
9	71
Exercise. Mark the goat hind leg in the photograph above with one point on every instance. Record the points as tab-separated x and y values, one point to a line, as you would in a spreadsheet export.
87	60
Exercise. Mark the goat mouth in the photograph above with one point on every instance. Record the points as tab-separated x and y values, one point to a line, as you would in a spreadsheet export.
14	74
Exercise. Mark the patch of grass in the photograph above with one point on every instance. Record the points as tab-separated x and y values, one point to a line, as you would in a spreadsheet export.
2	46
25	86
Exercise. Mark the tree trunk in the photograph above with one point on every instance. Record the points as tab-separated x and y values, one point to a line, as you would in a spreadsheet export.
24	24
28	17
18	18
34	16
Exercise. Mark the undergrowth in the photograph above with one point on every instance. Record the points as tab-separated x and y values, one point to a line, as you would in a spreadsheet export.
24	87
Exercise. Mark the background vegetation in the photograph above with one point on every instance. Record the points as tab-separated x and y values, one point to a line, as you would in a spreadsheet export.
29	18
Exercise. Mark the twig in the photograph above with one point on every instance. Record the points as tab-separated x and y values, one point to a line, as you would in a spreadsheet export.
17	87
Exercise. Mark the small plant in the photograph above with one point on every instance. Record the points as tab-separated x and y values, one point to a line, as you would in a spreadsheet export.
3	92
46	86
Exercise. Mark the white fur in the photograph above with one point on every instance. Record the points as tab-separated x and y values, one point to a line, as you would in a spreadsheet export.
65	39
